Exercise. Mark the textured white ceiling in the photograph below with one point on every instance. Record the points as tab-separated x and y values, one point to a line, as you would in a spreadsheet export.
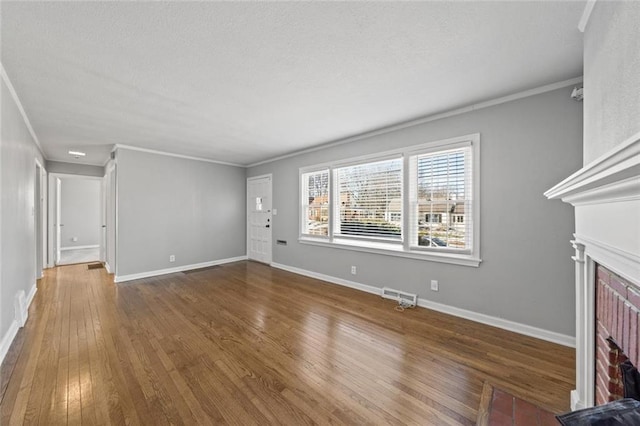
243	82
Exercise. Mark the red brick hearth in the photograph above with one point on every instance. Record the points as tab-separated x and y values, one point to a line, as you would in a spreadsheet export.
617	332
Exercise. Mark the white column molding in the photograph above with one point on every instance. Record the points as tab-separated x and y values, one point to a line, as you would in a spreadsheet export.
583	395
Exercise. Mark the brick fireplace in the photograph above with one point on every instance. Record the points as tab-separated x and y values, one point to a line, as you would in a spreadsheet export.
617	328
606	196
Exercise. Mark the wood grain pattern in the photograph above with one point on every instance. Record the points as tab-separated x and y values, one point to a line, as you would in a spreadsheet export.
248	344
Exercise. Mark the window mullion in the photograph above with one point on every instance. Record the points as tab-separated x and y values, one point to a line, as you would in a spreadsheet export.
407	230
332	209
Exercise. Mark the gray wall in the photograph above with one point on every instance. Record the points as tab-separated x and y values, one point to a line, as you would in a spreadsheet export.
192	209
611	76
74	169
527	146
80	210
18	152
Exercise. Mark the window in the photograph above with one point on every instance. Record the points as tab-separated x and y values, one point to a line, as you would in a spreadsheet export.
419	202
369	195
315	198
442	195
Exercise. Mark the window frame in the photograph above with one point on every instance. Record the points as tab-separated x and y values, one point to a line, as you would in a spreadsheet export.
403	246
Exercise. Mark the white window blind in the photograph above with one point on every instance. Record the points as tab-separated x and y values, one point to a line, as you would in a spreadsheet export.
441	200
368	200
315	203
419	202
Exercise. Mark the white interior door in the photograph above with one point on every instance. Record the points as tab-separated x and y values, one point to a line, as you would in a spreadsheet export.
259	226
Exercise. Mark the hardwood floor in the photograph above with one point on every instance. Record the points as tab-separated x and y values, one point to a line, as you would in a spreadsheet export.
246	344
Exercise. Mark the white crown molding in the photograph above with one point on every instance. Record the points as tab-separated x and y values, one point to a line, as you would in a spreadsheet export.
586	14
608	177
418	121
171	154
123	278
16	99
502	323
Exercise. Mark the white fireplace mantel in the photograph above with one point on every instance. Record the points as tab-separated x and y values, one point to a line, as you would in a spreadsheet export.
606	197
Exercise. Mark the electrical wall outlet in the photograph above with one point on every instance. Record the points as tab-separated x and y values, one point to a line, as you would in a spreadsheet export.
354	270
172	258
434	285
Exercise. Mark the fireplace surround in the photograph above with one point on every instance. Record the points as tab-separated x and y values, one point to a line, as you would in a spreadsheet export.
606	197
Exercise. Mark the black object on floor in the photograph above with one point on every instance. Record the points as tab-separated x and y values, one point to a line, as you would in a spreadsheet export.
95	266
617	413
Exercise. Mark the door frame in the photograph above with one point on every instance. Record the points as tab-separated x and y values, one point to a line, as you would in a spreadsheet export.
110	218
54	213
270	211
40	218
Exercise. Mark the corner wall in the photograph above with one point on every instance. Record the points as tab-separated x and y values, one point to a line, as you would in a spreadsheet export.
527	145
18	152
194	210
611	77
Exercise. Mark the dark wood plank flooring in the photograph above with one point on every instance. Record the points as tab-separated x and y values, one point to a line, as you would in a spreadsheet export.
248	344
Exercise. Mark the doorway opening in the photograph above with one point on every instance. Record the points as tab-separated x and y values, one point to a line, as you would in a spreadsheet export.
77	231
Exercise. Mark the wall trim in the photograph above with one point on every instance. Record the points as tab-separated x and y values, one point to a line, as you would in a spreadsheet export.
79	247
527	330
345	283
11	333
16	99
429	118
130	277
171	154
31	295
453	259
7	339
108	268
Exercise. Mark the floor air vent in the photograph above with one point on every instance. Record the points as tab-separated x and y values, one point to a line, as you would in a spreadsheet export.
400	296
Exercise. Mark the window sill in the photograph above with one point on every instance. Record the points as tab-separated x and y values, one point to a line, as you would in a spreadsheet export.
395	250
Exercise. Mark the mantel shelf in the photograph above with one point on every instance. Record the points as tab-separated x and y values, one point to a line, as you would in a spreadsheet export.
614	176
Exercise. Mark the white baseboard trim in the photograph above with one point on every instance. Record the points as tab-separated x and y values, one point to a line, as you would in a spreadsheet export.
108	268
516	327
7	339
576	402
334	280
527	330
31	295
123	278
78	247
